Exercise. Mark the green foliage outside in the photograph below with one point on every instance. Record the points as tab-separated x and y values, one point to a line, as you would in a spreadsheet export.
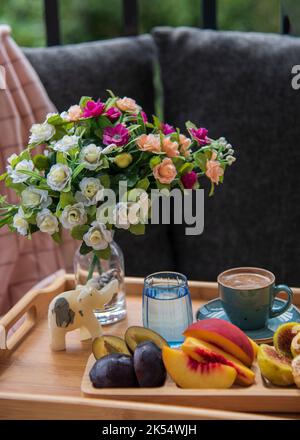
97	19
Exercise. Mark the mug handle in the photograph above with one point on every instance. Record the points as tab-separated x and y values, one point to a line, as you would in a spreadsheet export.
279	310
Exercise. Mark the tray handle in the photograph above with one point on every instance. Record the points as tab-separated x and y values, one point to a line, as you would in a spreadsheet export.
18	322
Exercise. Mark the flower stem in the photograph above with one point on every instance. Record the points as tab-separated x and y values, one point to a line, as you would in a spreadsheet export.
92	266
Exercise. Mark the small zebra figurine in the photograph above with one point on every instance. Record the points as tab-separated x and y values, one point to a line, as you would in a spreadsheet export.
74	309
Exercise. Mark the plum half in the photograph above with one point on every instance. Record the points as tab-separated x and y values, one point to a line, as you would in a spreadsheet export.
148	365
114	371
135	335
107	344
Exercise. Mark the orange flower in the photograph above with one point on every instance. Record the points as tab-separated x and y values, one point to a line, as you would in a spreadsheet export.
165	172
150	142
213	169
170	148
184	145
127	105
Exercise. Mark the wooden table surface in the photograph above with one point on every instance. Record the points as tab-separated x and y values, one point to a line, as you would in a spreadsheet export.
38	383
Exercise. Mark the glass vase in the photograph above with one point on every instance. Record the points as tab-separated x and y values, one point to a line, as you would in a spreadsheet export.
87	267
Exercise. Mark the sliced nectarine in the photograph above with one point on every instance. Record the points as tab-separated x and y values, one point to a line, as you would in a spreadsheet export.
204	352
255	347
224	335
188	373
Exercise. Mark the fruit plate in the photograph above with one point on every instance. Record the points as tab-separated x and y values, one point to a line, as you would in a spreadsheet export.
260	397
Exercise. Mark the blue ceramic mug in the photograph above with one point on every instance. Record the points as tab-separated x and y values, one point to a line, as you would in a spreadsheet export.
247	295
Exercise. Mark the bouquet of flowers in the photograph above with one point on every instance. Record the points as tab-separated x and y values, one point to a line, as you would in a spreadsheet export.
73	157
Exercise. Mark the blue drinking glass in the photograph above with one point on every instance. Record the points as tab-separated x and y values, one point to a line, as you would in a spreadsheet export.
167	306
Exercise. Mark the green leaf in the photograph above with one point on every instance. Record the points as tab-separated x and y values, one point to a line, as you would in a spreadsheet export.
111	93
41	162
105	180
190	125
212	189
56	237
3	176
200	160
78	170
143	183
157	122
104	253
133	127
84	249
60	158
56	120
78	231
132	180
162	185
103	122
138	229
104	163
155	160
185	168
84	100
66	198
178	162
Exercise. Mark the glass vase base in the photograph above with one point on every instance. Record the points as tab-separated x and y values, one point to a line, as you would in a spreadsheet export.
113	314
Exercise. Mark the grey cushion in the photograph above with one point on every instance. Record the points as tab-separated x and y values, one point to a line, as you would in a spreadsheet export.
123	65
239	85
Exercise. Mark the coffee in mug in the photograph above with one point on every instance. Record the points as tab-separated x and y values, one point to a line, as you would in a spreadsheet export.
247	295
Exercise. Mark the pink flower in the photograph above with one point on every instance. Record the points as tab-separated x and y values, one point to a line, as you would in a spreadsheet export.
184	145
74	113
167	129
118	135
113	113
127	105
213	169
189	180
144	116
93	109
170	148
200	135
150	142
165	172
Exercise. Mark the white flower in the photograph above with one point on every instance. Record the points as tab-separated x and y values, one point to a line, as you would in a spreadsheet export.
41	132
49	115
120	216
73	215
64	115
59	176
16	172
66	143
91	191
91	156
230	160
47	222
33	197
12	157
20	223
109	149
97	236
126	214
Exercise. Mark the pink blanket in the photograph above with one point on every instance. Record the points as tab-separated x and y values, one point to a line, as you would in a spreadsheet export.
23	102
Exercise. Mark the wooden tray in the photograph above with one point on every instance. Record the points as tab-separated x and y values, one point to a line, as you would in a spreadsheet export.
261	396
37	383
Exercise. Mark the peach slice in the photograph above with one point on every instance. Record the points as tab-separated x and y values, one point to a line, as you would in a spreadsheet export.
255	347
204	352
188	373
224	335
